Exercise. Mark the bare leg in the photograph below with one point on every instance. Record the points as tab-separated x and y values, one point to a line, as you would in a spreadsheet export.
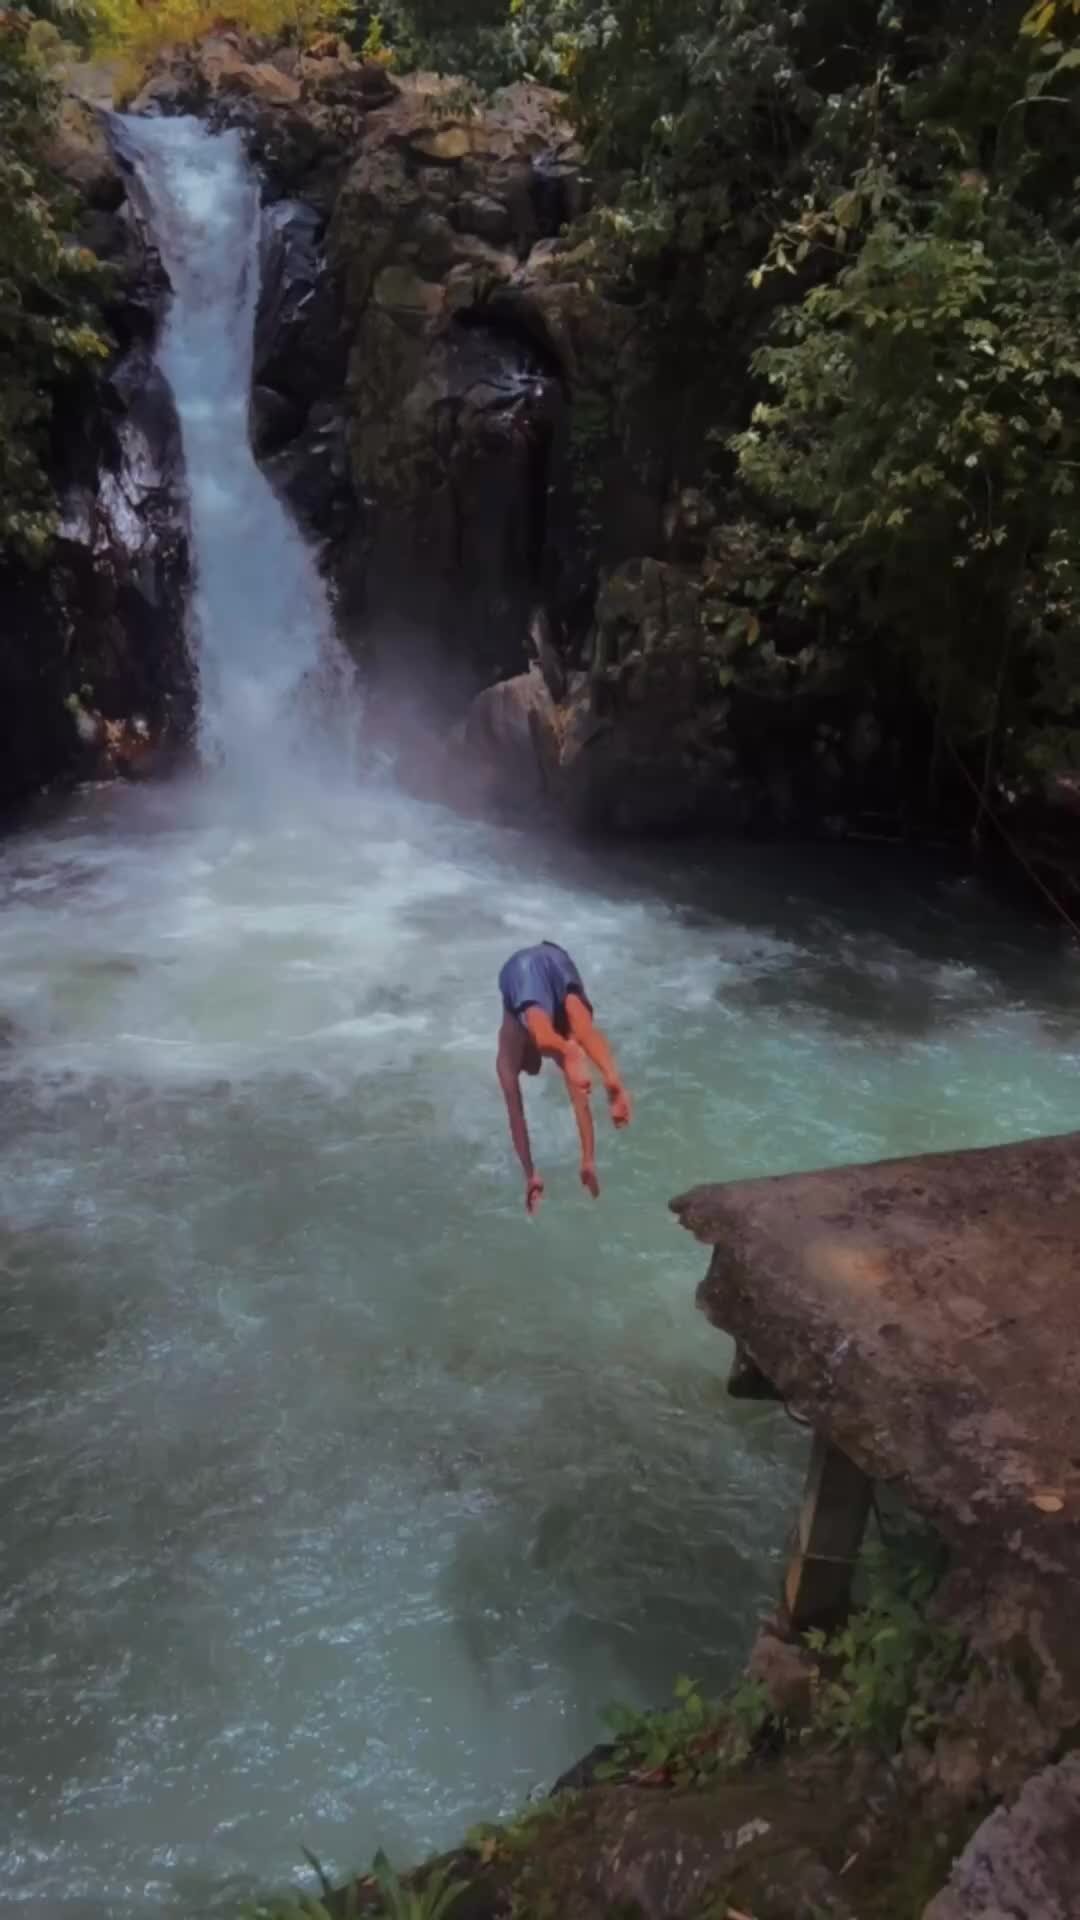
593	1042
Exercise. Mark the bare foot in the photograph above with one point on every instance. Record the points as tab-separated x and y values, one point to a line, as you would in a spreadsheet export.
534	1193
590	1182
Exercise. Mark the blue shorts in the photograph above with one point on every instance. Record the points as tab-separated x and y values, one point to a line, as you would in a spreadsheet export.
541	977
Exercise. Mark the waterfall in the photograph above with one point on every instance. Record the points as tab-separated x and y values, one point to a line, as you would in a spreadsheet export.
270	666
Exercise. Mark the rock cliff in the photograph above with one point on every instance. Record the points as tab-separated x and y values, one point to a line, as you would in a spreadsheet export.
95	674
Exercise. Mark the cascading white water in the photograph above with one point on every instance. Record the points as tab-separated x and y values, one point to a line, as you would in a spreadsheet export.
264	632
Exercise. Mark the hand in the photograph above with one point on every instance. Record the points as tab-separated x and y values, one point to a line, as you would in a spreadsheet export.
576	1070
589	1180
534	1193
622	1111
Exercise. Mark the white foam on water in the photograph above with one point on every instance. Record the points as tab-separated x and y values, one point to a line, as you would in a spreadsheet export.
339	1496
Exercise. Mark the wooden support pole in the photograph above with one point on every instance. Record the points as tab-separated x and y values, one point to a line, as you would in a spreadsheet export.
832	1520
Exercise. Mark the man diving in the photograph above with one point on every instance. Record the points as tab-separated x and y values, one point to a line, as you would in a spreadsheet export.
547	1015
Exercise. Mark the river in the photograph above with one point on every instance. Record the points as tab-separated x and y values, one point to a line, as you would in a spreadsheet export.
339	1497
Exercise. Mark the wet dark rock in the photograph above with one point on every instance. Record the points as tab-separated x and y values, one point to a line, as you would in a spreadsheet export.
123	544
297	414
95	675
312	474
274	421
479	213
557	192
96	640
299	345
461	492
452	408
500	758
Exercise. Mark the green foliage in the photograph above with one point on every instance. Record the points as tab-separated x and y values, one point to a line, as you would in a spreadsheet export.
137	32
689	1743
889	1671
374	44
429	1901
489	1839
887	1674
873	210
470	37
1043	16
432	1899
692	110
50	293
924	427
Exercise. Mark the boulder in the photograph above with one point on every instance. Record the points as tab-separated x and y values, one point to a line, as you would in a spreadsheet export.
80	151
508	745
301	112
190	79
459	481
225	70
787	1673
1023	1863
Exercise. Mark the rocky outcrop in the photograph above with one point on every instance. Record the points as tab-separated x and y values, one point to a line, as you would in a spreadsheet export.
502	757
414	360
1023	1862
455	403
95	674
301	112
298	415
